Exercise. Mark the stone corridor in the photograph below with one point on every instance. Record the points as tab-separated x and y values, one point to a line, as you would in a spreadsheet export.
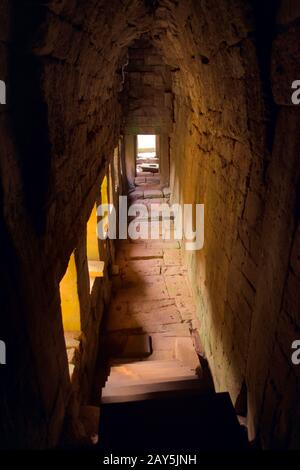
156	389
152	314
97	330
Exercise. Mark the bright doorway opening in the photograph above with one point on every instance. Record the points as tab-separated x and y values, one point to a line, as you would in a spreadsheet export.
147	159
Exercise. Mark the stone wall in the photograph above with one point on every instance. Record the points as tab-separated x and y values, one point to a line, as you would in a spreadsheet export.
218	152
274	384
230	152
147	96
62	64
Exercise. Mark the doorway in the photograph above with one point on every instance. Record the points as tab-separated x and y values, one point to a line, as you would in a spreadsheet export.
147	159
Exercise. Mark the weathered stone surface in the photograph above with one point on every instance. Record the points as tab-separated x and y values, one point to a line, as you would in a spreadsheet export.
152	180
176	329
172	257
186	307
137	194
186	354
139	179
138	268
164	244
173	270
161	343
152	193
133	252
154	288
177	286
148	78
151	305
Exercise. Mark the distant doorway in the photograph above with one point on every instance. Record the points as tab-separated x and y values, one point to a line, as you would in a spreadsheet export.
147	160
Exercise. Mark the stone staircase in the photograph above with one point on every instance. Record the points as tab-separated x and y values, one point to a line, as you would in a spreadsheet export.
148	186
155	405
132	381
156	394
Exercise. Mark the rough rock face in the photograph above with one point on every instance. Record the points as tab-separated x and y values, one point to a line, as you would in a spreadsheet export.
63	64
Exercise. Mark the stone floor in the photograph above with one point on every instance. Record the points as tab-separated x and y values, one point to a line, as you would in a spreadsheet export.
151	297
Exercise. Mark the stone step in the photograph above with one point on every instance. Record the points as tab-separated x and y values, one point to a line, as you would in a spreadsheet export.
137	194
152	193
163	244
150	365
115	382
136	252
144	173
145	186
151	391
142	178
151	215
152	180
127	372
139	179
148	202
141	267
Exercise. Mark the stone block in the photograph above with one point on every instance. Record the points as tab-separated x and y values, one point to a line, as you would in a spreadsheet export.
186	307
135	252
137	194
177	286
152	180
141	268
153	193
139	179
172	257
